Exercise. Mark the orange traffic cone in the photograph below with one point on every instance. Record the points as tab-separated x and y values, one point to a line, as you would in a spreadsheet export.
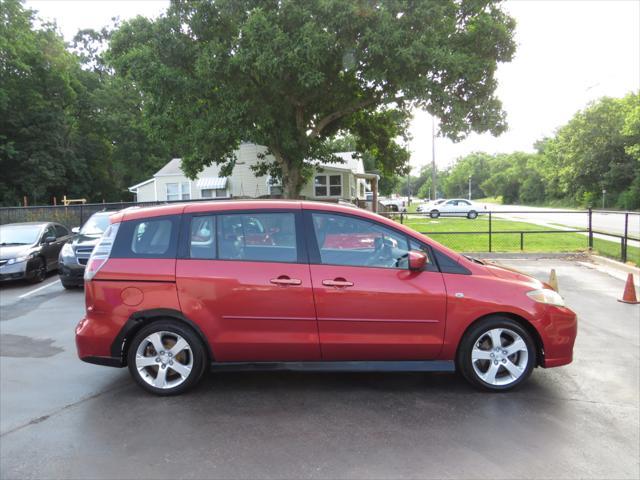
629	295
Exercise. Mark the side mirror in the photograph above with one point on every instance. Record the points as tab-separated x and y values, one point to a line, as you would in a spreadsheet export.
417	260
49	240
75	230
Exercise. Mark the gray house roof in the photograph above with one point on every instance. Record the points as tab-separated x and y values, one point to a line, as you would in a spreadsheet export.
171	168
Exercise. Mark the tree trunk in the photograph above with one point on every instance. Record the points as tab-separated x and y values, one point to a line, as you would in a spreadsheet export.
292	176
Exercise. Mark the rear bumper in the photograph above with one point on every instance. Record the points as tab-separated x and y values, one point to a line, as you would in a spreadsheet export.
104	361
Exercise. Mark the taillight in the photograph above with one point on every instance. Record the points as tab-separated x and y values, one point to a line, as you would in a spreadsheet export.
101	252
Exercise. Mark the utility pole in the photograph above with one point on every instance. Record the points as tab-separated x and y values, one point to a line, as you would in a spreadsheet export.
469	187
433	158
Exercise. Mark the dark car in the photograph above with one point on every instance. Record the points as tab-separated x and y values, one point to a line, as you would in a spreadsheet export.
30	250
74	255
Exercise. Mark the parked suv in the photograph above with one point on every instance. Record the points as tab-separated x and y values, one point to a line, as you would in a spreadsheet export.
176	290
75	254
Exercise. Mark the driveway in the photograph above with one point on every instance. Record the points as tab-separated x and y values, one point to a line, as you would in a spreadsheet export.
61	418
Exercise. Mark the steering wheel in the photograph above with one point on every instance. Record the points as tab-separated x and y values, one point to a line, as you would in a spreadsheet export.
382	254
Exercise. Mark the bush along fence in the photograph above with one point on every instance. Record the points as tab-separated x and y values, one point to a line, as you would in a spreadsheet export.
613	234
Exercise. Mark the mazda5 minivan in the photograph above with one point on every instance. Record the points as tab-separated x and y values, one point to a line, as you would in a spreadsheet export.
174	291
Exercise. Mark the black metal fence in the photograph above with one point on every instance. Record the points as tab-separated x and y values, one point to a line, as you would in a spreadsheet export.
613	234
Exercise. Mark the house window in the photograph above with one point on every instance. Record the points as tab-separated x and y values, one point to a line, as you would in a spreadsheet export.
213	192
274	185
328	185
178	191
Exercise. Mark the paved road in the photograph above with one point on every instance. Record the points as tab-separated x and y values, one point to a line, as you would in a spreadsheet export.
604	222
60	418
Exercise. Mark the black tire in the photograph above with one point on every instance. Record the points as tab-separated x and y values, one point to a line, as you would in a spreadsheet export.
69	286
477	333
196	350
472	215
434	213
39	271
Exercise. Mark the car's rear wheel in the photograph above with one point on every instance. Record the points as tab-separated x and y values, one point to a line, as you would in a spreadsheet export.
496	354
472	214
166	358
39	271
434	214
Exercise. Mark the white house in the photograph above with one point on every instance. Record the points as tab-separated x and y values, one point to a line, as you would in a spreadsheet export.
332	181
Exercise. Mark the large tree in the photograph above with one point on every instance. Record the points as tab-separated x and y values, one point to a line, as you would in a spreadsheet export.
291	74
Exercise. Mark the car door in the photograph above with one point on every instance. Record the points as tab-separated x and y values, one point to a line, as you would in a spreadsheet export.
62	237
49	250
244	278
370	306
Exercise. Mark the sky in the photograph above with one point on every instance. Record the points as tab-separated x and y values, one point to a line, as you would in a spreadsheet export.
570	53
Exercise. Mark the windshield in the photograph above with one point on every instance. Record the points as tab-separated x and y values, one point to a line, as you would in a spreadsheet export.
96	225
19	234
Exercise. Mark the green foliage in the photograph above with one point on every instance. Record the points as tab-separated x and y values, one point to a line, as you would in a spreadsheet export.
599	148
68	125
290	75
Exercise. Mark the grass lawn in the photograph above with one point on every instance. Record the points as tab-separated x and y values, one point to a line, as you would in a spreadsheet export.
476	237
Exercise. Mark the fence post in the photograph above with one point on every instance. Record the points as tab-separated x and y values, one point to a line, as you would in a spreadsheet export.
489	231
401	218
590	229
81	216
626	237
521	241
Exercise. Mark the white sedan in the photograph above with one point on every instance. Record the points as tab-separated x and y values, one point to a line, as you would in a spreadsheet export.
428	206
456	207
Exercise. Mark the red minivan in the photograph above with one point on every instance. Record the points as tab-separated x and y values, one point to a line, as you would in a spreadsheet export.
176	290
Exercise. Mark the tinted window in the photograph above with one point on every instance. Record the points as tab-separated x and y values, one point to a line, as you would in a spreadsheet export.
49	232
147	238
344	240
202	237
267	237
61	231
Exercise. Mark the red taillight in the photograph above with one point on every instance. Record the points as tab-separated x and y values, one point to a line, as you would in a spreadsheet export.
101	252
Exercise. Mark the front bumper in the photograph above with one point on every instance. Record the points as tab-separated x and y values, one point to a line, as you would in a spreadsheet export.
15	271
559	335
72	274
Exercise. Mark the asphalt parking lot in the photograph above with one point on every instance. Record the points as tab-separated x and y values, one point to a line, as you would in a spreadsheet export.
61	418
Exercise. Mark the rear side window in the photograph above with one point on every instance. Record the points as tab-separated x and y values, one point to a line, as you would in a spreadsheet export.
147	238
262	237
202	237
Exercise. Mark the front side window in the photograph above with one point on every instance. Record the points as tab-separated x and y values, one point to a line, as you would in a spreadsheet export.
344	240
61	231
328	185
178	191
265	237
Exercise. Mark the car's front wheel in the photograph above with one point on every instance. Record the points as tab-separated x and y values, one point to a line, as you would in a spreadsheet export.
496	354
39	271
472	215
166	358
434	214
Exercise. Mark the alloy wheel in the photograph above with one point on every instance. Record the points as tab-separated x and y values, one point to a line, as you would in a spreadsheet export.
164	360
499	356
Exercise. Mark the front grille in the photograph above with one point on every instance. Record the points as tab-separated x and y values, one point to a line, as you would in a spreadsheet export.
83	254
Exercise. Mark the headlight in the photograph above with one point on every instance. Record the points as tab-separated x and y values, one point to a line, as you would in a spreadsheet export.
550	297
24	258
67	251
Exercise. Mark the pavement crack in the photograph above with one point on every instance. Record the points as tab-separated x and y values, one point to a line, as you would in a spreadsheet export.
62	409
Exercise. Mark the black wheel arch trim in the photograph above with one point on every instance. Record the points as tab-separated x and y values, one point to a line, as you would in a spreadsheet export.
523	322
143	317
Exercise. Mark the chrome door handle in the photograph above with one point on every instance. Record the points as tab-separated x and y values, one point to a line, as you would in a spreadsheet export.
338	282
286	281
